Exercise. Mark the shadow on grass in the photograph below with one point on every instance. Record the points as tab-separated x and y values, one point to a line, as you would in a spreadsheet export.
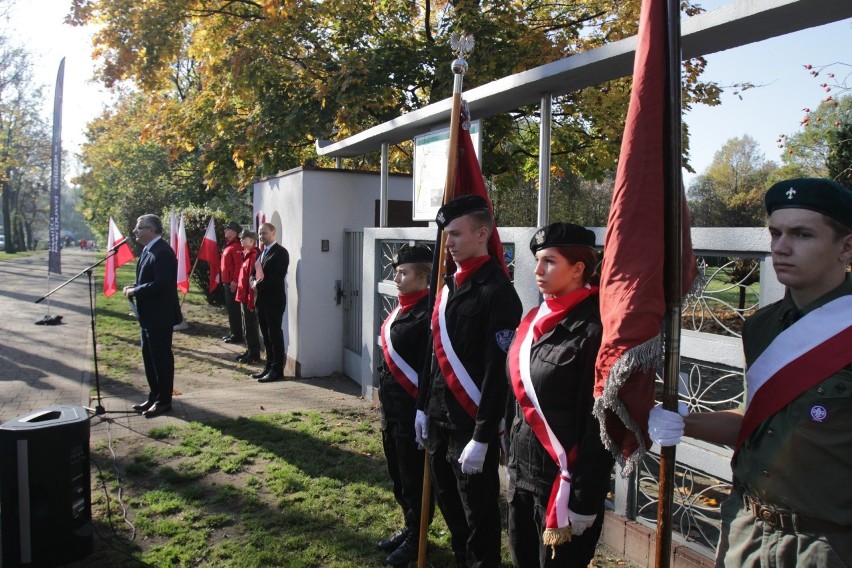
298	489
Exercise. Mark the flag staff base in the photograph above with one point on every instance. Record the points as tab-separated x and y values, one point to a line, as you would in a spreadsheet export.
99	409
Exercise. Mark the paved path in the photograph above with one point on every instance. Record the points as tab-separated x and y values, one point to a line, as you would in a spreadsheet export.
41	366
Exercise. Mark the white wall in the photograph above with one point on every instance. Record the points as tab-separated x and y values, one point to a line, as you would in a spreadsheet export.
314	205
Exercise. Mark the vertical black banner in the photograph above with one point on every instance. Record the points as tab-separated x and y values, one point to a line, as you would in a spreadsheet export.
54	263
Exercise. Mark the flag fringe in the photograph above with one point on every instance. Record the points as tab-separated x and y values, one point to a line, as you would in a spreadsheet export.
640	358
553	537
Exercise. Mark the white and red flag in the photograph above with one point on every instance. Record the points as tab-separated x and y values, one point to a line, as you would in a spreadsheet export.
182	258
632	297
123	254
209	252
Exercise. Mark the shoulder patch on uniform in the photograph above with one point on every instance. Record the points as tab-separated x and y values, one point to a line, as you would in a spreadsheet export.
504	338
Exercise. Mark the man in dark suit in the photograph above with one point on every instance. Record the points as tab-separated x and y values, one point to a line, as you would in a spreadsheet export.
267	279
155	294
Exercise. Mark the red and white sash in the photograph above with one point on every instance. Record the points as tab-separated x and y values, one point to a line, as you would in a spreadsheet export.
536	323
799	358
404	374
458	379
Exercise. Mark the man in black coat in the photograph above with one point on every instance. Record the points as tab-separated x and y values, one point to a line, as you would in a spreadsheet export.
155	294
267	279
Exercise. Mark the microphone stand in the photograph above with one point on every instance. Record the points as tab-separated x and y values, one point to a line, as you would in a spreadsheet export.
99	410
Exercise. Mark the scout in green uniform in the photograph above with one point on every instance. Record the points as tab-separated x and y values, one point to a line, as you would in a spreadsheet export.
792	498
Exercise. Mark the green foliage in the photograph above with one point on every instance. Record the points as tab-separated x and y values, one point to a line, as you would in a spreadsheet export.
25	150
808	150
196	220
231	91
839	159
730	191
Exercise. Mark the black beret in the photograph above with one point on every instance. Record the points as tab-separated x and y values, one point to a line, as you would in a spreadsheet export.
247	233
458	207
562	235
234	226
406	254
822	195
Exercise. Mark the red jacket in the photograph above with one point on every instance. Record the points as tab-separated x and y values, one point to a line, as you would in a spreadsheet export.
245	295
231	259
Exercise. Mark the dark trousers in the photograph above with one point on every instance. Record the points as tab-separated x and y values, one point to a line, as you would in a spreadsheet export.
250	330
159	363
469	503
270	318
235	320
405	467
527	513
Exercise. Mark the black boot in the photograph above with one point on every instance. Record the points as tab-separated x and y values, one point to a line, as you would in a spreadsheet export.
393	541
406	552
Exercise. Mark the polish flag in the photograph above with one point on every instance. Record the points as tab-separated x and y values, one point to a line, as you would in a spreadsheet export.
122	255
182	258
209	252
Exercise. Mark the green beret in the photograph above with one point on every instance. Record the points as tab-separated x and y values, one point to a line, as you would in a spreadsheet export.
562	235
407	254
822	195
250	234
460	206
234	226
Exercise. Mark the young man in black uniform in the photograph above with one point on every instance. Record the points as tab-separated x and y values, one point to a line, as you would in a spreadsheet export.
463	399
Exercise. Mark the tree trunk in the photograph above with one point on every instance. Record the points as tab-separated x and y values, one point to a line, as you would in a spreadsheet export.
7	218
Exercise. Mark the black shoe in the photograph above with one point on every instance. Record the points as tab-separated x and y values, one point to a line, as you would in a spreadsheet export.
227	337
270	376
251	358
393	541
241	357
140	408
260	374
156	409
405	553
233	339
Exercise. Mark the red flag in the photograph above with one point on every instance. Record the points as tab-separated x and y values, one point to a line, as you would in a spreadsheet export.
632	296
183	258
469	181
209	252
123	255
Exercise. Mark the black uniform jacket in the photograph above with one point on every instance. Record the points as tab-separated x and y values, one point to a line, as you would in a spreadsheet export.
562	369
270	290
410	335
156	288
481	317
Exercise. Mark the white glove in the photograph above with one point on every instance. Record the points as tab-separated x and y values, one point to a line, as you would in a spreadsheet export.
421	428
666	427
579	523
473	457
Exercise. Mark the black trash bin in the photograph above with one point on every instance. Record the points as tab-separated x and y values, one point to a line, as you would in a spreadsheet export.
45	488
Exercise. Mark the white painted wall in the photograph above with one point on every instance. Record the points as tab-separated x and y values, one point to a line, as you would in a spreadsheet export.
307	206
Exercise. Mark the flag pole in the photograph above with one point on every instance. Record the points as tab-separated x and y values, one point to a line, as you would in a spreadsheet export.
673	271
461	46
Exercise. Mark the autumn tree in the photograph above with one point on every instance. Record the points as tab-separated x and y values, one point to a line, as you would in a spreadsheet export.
24	149
806	152
238	90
